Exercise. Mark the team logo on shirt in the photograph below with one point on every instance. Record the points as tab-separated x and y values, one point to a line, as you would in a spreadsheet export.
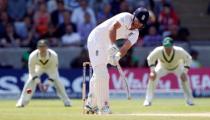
143	17
130	34
96	52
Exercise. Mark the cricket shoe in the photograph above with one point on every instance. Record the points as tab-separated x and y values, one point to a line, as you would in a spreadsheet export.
147	103
90	110
20	105
190	103
104	111
67	104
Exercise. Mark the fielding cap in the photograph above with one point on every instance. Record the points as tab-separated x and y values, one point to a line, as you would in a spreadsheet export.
168	42
41	43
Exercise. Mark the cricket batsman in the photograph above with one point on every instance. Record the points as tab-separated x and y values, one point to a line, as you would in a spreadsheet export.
102	50
170	59
42	60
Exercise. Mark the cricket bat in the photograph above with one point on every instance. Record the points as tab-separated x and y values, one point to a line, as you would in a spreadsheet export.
122	74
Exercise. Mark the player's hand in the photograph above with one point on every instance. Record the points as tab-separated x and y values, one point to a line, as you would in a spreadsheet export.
42	87
152	75
186	70
114	59
113	49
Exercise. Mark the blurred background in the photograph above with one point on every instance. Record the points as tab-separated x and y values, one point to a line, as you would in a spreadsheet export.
66	24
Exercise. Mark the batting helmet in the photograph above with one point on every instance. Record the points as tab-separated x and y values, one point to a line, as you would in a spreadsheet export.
142	15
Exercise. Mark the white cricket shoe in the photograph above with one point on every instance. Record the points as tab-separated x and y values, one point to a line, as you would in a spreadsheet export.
67	104
190	103
104	111
147	103
90	109
19	105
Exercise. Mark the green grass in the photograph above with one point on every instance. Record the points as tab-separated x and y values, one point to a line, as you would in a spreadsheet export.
122	110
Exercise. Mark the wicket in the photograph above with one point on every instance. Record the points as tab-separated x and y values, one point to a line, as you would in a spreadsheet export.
85	68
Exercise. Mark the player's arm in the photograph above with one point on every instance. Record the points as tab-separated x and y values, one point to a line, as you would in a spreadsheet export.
54	72
56	61
113	31
132	39
187	59
152	58
116	54
124	49
31	67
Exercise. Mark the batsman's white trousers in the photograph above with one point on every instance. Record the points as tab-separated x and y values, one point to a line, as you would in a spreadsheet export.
53	74
99	83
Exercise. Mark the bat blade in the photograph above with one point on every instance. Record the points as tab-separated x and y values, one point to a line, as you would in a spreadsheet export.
122	76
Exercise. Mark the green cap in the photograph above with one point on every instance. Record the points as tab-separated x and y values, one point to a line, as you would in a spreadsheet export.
41	43
167	42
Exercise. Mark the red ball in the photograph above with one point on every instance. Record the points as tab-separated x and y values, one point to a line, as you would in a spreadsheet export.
29	91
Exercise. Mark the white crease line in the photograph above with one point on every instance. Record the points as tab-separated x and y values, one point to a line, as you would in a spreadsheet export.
166	114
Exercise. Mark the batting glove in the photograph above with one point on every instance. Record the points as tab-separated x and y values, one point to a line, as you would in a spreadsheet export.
114	59
113	49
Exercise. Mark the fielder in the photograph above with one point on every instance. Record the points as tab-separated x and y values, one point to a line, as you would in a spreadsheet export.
170	59
102	50
42	60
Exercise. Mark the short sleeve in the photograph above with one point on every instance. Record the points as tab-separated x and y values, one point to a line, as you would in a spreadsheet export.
133	36
125	19
32	63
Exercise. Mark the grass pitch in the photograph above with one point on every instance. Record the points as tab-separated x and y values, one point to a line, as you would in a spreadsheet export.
162	109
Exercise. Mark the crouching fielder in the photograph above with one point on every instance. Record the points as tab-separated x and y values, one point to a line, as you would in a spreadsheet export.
170	59
42	60
102	50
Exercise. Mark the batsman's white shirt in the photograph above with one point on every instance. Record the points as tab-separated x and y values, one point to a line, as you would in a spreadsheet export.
176	61
99	40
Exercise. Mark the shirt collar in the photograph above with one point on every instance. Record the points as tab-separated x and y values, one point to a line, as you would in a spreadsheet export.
43	58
